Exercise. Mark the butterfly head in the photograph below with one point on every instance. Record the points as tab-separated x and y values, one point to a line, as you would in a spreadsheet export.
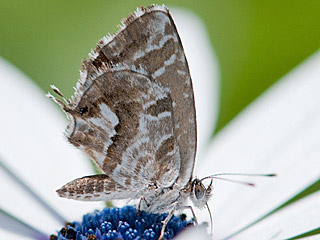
200	194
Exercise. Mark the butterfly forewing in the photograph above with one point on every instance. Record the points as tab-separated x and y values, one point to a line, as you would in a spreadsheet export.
133	112
151	45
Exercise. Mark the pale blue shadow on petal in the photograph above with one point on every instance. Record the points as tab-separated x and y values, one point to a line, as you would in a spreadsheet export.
15	225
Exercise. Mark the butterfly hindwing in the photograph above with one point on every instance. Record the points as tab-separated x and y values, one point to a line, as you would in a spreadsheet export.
127	129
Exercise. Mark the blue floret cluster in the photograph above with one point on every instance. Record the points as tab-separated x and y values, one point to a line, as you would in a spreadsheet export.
121	223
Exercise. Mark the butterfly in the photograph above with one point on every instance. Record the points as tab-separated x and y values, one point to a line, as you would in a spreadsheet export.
133	113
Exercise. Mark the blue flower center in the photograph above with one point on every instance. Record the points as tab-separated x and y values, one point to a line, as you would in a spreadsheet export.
122	223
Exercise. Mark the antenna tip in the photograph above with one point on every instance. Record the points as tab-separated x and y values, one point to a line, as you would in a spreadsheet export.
271	175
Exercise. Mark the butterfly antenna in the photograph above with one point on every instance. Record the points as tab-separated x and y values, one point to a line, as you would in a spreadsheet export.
238	174
211	221
235	181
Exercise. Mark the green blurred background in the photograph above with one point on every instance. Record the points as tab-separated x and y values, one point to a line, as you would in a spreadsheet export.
256	42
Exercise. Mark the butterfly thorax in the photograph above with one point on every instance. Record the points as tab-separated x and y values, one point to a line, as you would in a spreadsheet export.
162	200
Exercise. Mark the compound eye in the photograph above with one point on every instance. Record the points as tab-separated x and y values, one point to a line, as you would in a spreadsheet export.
199	191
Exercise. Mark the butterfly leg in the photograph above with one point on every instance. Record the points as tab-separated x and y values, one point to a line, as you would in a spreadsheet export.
193	214
195	218
165	222
139	206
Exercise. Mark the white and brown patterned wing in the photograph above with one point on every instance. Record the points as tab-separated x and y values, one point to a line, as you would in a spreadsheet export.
133	112
149	44
124	122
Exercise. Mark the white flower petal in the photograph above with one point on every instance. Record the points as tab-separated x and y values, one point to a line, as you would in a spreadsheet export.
204	72
12	236
33	147
12	228
291	221
16	201
193	233
279	133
